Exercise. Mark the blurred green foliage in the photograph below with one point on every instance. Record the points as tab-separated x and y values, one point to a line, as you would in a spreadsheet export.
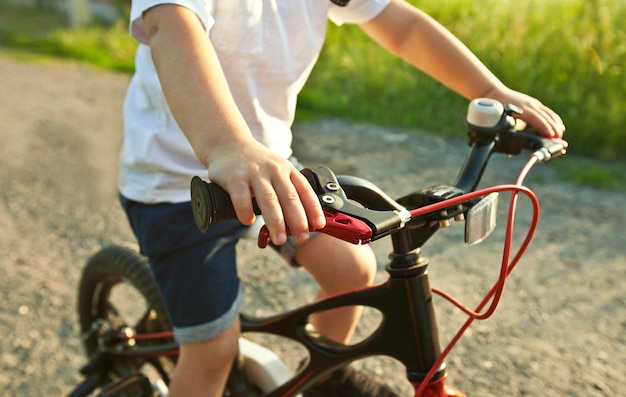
569	53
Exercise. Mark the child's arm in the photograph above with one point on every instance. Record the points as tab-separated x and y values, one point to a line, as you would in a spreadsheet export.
200	100
423	42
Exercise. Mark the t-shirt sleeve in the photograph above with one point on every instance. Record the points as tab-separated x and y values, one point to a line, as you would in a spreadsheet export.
357	11
201	8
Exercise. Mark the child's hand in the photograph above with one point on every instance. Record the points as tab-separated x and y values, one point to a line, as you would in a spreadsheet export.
536	114
282	193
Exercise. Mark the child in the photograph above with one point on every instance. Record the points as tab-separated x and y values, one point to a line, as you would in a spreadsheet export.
214	94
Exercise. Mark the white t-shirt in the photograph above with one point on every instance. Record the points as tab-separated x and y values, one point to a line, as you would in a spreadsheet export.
266	48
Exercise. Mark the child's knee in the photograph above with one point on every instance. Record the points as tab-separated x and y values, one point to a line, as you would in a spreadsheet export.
356	268
366	265
212	354
337	265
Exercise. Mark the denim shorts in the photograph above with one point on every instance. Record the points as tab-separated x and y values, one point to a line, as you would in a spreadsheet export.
196	272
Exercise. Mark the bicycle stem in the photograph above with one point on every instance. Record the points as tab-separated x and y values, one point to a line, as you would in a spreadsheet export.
474	166
411	269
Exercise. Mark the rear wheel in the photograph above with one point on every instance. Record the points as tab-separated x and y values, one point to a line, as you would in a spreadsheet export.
118	296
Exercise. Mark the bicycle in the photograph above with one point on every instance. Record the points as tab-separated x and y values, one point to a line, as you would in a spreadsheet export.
135	356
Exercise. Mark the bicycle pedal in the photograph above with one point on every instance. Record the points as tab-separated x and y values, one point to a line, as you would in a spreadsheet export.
136	385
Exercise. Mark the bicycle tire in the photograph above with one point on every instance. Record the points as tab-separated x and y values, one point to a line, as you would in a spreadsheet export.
256	372
118	270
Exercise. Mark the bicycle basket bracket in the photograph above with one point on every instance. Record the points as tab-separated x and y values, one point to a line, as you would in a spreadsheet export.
481	219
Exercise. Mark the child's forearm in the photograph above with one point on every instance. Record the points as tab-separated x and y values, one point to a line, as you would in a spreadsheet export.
192	80
199	97
424	43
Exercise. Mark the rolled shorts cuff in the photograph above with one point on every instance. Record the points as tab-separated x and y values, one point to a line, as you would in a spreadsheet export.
201	332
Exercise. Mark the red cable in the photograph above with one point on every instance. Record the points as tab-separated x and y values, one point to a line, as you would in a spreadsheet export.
495	292
149	336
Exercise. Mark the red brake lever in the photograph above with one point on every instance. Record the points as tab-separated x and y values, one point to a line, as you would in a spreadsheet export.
339	225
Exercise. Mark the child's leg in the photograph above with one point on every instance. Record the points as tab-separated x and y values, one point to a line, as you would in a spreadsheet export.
197	277
337	266
202	368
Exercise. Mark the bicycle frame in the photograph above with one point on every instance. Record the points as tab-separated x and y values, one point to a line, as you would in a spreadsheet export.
408	331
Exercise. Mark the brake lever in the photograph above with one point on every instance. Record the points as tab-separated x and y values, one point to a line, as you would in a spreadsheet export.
338	225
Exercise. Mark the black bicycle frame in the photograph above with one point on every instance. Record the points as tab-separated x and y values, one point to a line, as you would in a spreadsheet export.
408	331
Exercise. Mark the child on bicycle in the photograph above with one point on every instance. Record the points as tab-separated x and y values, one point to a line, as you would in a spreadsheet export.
214	94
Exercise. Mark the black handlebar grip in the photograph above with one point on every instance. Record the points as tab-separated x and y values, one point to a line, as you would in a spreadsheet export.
210	203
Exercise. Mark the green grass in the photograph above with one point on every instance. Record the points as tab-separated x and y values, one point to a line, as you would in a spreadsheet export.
569	53
46	33
602	175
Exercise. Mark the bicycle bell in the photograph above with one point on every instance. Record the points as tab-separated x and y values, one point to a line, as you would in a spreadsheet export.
484	112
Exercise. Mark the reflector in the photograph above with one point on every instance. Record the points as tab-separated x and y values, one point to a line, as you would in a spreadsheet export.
481	219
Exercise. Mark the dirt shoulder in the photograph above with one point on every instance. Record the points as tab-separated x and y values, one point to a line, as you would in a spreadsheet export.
560	330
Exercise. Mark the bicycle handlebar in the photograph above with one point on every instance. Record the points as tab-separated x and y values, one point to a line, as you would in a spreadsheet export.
488	121
378	216
491	128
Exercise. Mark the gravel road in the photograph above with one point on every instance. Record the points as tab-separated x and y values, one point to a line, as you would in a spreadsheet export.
560	330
